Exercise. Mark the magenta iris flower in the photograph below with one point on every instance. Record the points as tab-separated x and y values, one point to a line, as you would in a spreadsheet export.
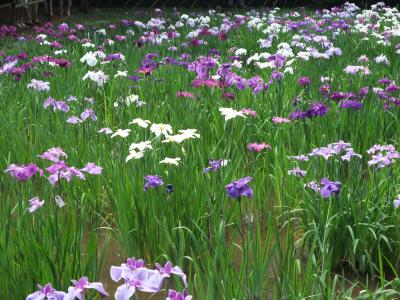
304	81
23	172
62	170
185	95
46	292
249	112
258	147
240	188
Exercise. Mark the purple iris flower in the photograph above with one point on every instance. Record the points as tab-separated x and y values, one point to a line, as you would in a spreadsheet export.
363	91
215	165
81	286
152	181
239	188
304	81
317	109
351	104
23	172
46	292
276	75
298	115
116	56
329	188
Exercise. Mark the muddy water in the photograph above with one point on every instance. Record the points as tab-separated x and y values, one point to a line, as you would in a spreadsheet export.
114	256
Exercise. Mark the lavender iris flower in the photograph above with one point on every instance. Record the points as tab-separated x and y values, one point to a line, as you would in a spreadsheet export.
91	168
88	113
81	286
46	292
297	172
35	204
396	202
239	188
143	280
136	276
53	154
169	270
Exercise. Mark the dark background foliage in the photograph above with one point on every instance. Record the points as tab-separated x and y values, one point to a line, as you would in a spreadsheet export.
248	3
224	3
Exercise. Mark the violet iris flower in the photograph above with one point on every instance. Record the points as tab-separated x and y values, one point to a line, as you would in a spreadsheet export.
152	181
215	165
351	104
329	188
239	188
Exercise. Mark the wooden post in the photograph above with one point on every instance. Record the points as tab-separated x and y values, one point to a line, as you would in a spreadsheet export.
48	10
13	12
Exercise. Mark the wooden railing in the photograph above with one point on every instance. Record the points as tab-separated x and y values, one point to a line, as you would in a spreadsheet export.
13	6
